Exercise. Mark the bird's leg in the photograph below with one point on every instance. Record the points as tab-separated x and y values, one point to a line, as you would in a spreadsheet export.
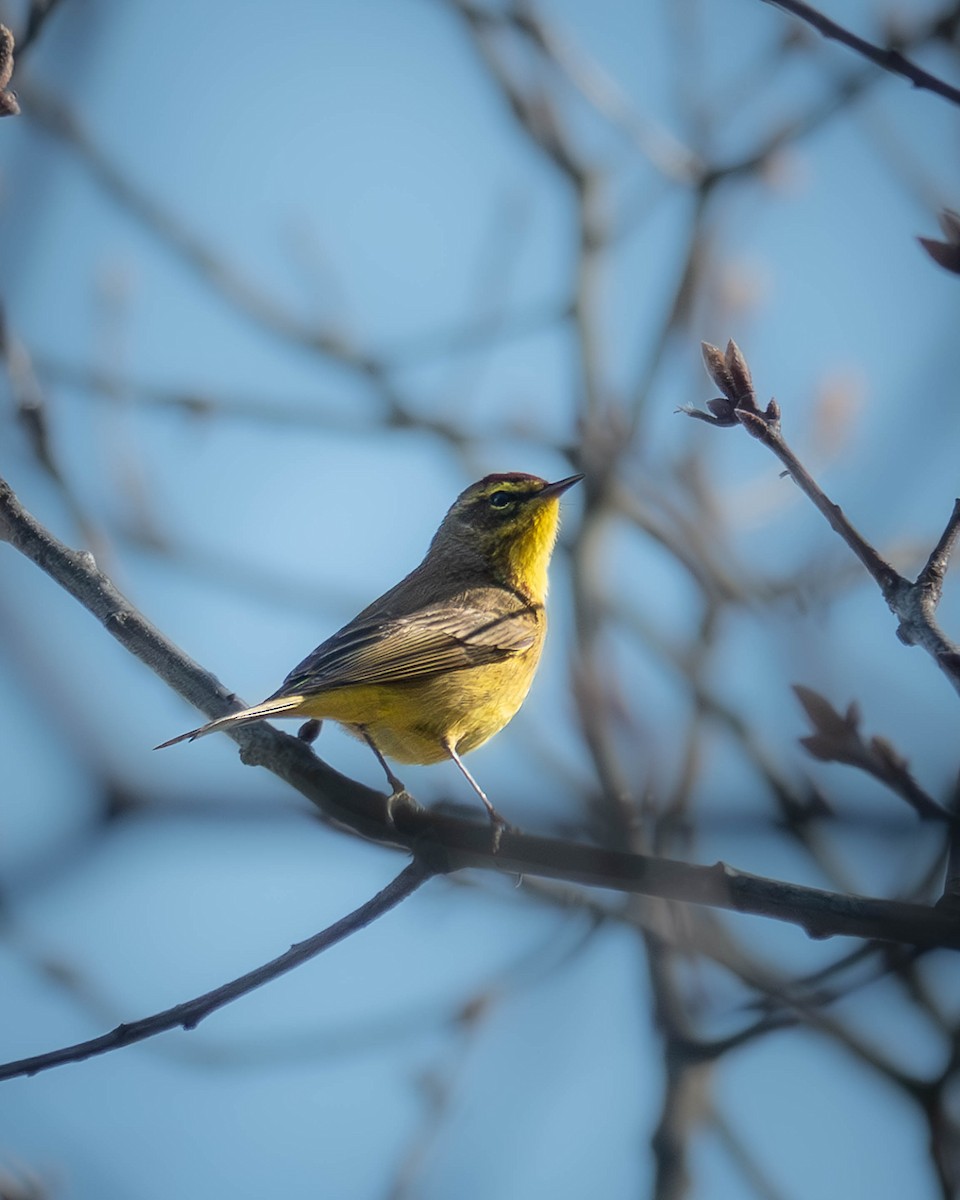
499	823
397	790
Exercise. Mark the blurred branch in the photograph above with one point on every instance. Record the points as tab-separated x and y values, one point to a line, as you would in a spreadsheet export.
672	941
442	1086
537	113
781	1001
198	402
743	1157
189	1014
951	886
445	843
677	308
58	119
945	254
40	11
662	149
913	603
23	1183
215	272
475	334
889	58
201	404
837	738
33	416
575	66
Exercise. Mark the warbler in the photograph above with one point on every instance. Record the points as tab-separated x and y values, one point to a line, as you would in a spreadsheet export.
441	662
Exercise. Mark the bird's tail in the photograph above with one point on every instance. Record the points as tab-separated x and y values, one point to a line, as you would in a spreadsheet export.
269	708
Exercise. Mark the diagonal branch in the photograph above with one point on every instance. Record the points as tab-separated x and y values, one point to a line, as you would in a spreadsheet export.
913	603
930	579
190	1013
886	57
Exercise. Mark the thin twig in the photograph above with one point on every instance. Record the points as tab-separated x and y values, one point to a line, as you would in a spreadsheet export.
931	577
886	57
913	603
190	1013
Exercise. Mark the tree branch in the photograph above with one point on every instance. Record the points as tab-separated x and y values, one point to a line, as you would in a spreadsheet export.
883	56
446	843
913	603
190	1013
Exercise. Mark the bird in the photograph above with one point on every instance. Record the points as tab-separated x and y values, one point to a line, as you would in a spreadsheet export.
442	661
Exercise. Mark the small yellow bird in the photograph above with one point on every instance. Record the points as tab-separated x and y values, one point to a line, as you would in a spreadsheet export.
441	662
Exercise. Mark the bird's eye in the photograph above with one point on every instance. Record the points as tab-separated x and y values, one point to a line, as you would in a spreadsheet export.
501	499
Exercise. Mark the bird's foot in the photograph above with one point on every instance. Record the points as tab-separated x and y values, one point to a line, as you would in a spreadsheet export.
498	825
399	799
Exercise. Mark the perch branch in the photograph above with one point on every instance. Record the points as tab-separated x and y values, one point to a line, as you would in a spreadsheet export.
446	843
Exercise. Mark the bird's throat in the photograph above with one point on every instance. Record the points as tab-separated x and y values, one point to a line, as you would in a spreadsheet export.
524	559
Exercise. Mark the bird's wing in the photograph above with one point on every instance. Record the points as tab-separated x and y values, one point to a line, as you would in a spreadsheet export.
389	650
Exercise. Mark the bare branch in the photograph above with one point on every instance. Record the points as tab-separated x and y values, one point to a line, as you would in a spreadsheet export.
887	57
931	577
190	1013
913	604
662	149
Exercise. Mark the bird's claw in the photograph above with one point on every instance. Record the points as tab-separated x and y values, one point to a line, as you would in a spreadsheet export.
401	798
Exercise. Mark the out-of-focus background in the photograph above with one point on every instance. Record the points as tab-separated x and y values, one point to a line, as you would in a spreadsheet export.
279	281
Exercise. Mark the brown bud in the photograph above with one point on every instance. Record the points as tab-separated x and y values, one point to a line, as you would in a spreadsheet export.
717	369
6	56
739	371
723	410
8	101
944	254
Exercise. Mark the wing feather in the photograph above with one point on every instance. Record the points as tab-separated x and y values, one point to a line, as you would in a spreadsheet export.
375	650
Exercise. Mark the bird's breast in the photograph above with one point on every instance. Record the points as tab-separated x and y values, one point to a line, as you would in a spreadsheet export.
411	721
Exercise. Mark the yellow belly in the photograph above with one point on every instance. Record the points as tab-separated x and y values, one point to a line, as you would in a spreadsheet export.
411	721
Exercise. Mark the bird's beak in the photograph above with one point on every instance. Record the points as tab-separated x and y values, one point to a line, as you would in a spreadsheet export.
558	488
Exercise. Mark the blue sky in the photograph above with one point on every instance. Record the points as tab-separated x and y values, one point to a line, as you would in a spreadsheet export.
352	162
